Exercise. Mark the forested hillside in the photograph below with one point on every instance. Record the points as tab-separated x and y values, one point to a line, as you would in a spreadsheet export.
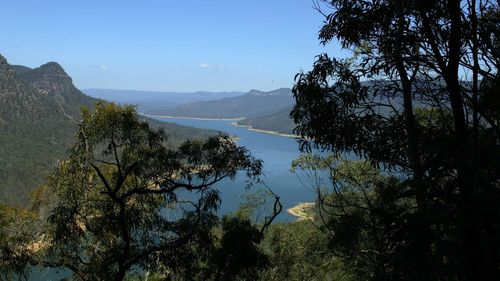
34	130
280	122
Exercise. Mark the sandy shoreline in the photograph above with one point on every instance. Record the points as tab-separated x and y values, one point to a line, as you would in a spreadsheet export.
299	211
248	127
264	131
225	119
194	118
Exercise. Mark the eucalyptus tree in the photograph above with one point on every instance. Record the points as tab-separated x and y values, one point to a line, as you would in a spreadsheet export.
126	201
17	250
417	98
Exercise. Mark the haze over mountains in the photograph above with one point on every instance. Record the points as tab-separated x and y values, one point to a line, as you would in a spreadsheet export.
261	110
154	103
34	131
268	111
253	103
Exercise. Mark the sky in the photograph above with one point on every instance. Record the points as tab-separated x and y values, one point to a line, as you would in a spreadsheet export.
166	45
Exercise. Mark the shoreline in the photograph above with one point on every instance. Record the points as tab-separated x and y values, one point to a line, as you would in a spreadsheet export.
298	211
235	123
250	128
194	118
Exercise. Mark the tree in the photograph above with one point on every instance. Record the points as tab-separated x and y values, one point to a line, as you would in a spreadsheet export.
363	213
17	251
412	100
228	251
298	251
232	249
122	196
238	256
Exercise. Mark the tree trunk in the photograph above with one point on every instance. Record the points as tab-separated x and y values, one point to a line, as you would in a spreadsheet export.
420	237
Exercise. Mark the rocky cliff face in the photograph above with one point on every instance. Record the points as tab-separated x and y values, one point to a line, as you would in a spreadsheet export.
34	132
17	98
48	79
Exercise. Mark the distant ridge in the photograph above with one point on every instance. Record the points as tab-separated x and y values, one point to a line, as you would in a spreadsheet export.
155	102
253	103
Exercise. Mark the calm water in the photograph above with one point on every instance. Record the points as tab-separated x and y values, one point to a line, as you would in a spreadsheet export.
277	153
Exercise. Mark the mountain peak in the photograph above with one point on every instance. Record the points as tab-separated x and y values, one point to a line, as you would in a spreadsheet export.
49	79
53	68
255	92
280	91
51	71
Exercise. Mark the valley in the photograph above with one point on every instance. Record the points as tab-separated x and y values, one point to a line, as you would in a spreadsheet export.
194	140
257	110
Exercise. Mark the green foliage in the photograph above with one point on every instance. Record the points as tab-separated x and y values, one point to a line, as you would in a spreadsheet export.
118	203
237	256
17	251
299	251
416	101
229	251
255	205
364	213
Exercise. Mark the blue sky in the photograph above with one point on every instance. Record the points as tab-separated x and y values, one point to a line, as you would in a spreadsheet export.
166	45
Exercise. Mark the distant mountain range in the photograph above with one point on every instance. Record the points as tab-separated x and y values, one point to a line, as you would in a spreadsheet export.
154	103
261	110
280	121
35	132
253	103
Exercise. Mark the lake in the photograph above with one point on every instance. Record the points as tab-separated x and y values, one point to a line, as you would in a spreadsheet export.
276	152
